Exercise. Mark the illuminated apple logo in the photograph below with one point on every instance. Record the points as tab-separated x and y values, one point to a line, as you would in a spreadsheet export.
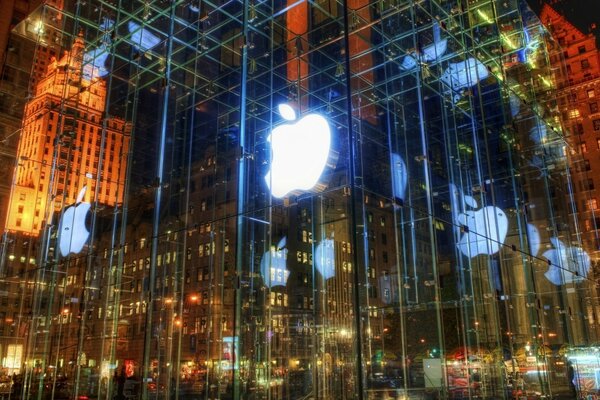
299	151
484	230
273	265
325	258
567	264
72	233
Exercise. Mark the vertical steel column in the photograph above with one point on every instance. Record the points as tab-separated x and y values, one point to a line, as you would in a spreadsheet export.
239	250
358	340
157	200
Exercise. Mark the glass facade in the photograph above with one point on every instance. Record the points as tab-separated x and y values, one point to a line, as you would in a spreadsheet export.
281	199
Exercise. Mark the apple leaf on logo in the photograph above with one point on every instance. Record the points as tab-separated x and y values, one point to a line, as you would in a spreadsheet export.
470	201
287	112
81	194
282	243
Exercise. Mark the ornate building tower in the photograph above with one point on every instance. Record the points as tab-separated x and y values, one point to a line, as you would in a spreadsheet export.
65	129
579	102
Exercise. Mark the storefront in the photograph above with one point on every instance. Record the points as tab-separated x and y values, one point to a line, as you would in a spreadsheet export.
294	200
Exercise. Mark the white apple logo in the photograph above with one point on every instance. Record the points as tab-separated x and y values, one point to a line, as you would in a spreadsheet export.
533	237
399	177
429	53
568	264
94	63
462	75
95	60
515	104
299	151
141	37
539	133
486	228
325	258
273	265
72	233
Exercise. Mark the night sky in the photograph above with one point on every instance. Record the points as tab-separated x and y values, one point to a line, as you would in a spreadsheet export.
584	14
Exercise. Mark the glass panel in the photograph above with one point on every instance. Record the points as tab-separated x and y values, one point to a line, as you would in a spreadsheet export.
273	200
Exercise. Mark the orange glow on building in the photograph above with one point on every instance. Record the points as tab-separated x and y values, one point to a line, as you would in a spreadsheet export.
359	43
361	60
578	94
67	142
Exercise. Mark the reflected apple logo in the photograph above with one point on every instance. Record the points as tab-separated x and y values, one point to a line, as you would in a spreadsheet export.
72	232
539	133
94	63
429	53
515	104
567	264
141	37
534	239
273	265
325	258
299	152
399	177
463	75
485	229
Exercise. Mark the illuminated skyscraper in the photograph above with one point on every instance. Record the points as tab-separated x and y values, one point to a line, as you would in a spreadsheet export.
67	143
24	55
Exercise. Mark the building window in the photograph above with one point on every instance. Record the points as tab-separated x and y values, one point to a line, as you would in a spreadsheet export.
583	148
593	107
592	204
596	124
574	113
591	93
581	49
585	64
587	184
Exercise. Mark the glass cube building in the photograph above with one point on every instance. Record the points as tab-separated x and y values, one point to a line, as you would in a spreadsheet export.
294	200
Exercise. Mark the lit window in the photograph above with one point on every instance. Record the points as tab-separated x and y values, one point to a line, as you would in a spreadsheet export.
574	113
592	204
591	93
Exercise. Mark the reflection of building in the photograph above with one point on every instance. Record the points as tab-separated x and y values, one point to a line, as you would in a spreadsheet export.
67	142
24	55
412	265
579	93
578	82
